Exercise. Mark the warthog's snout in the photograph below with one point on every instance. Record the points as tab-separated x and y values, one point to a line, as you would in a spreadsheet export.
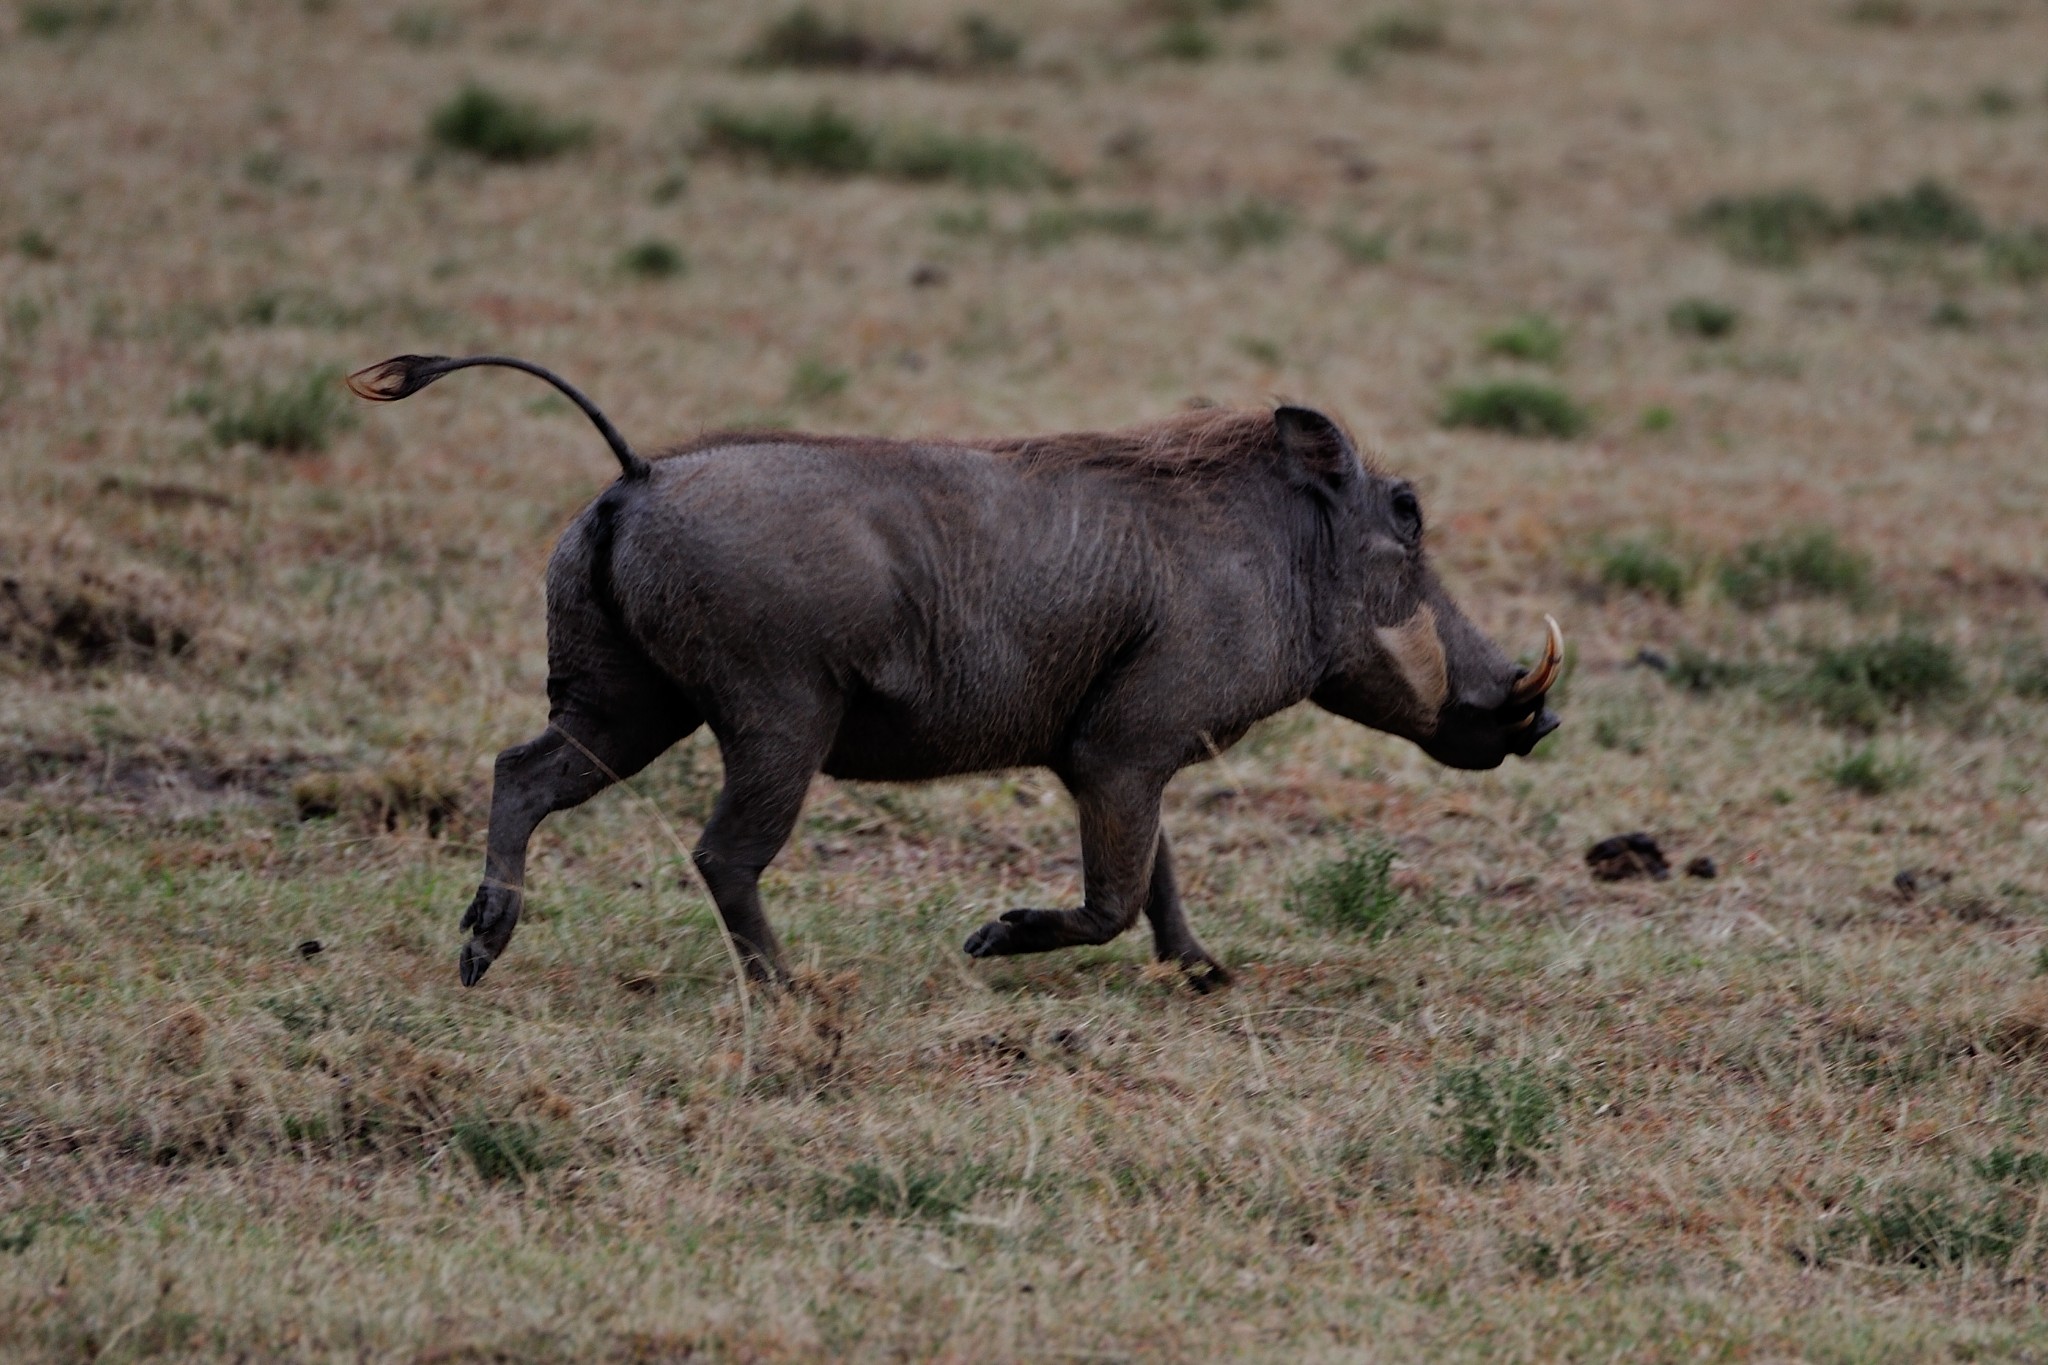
1490	724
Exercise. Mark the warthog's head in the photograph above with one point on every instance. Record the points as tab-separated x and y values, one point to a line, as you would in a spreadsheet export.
1403	658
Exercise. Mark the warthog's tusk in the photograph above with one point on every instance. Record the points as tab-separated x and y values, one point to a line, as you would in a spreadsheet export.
1538	680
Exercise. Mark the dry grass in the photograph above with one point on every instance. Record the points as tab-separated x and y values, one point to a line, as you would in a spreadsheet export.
1792	1112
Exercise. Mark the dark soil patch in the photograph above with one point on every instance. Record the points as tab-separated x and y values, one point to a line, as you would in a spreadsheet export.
156	780
65	603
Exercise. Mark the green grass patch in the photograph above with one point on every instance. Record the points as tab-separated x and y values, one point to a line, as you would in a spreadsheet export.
868	1191
1951	315
1802	562
1881	13
424	27
1517	408
1707	319
989	43
1773	228
297	308
823	141
496	127
1360	247
1264	350
1995	101
1930	213
1253	223
1409	32
973	221
56	19
1503	1117
2026	671
653	259
1860	685
1695	670
502	1150
1060	224
819	139
298	416
36	245
1933	1229
2011	1166
2019	256
1869	773
1205	9
815	381
979	163
1532	337
1644	565
1354	893
1186	40
805	40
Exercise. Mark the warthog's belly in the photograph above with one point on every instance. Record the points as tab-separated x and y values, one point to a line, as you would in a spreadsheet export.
881	740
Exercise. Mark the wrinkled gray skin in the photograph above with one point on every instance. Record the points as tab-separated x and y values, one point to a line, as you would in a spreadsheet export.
895	611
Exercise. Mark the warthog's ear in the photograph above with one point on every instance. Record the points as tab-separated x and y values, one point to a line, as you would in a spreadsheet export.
1316	447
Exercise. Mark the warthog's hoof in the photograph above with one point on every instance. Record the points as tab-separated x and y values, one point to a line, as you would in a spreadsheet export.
1204	974
476	960
490	919
994	939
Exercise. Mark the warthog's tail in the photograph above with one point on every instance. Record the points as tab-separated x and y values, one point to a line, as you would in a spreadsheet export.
403	375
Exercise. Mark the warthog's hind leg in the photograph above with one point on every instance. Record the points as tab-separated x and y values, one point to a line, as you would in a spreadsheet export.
1119	842
573	760
767	773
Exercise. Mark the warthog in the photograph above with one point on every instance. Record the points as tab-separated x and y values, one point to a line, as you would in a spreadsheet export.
1111	606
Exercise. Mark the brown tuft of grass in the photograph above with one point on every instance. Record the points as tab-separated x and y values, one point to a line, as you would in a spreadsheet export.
67	603
180	1043
409	792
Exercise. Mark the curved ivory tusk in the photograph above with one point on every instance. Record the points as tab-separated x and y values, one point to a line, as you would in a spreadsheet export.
1539	679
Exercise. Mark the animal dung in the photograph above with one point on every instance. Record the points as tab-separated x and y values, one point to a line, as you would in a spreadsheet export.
1627	855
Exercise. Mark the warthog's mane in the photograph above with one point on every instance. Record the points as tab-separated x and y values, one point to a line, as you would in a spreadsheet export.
1203	442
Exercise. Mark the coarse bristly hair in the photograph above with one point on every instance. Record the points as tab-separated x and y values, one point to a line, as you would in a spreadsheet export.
1204	442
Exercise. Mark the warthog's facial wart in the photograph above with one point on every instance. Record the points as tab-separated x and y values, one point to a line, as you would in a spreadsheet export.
1418	655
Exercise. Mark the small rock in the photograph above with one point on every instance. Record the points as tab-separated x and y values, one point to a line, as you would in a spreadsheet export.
312	947
1703	868
1627	855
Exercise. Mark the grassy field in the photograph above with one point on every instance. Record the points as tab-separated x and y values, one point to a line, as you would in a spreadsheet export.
1720	331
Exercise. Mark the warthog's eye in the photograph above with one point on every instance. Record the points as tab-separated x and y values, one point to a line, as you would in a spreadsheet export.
1407	513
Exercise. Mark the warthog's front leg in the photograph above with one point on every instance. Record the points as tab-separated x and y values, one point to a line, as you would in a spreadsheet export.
1119	819
573	760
